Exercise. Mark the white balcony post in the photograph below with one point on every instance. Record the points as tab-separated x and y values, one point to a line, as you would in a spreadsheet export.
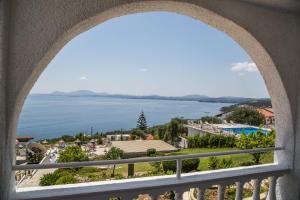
256	191
201	193
178	168
272	188
154	196
178	194
239	190
221	190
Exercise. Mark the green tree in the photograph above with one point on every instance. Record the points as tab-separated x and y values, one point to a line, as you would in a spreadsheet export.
68	138
211	119
34	155
113	154
245	115
138	133
157	166
72	154
256	140
173	131
82	137
142	122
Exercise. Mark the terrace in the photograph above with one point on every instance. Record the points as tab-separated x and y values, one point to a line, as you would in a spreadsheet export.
32	32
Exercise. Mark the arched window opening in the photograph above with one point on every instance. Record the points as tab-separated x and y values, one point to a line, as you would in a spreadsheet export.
145	85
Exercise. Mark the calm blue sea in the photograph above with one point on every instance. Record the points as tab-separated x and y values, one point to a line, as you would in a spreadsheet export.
48	116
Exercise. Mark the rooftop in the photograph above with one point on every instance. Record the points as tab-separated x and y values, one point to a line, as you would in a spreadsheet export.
266	112
141	146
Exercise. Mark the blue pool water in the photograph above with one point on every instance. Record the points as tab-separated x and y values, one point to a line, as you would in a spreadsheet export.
246	130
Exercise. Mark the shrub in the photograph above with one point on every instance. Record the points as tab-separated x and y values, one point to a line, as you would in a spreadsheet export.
216	163
190	165
213	163
211	141
49	179
88	170
151	152
69	179
187	165
225	163
72	154
256	140
34	156
169	166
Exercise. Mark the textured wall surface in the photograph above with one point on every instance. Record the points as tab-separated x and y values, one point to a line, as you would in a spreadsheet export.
268	30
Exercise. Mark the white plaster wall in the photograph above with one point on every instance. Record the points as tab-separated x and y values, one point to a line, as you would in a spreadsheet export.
268	30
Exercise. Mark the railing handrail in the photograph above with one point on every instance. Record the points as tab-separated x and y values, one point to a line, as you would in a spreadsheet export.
128	188
178	158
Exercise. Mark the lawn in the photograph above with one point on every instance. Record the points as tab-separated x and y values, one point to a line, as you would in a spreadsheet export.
203	166
87	174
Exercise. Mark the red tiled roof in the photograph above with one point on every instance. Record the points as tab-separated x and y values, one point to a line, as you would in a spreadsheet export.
24	138
266	112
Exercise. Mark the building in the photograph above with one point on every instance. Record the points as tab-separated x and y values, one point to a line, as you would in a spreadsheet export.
118	137
24	139
136	148
268	115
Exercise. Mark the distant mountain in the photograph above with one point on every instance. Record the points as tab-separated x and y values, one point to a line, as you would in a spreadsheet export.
192	97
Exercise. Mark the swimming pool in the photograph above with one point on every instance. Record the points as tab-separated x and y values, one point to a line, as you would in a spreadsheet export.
246	130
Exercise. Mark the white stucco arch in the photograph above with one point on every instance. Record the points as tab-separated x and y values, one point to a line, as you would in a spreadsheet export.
29	54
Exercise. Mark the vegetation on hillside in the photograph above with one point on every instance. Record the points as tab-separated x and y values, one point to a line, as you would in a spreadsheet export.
259	103
245	115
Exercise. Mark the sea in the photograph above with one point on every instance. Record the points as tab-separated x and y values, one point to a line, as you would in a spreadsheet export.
50	116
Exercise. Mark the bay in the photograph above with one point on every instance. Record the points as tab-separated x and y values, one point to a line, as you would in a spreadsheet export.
49	116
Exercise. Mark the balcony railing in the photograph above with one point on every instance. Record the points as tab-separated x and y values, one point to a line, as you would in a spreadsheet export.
157	185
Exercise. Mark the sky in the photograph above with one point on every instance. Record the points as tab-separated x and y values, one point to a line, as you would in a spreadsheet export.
153	53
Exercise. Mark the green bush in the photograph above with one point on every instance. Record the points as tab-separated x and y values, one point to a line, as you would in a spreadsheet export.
216	163
69	179
169	166
190	165
49	179
187	165
225	163
151	152
72	154
213	163
88	170
256	140
64	172
211	141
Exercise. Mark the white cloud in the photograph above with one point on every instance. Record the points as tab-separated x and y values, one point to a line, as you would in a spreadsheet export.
143	69
83	78
244	67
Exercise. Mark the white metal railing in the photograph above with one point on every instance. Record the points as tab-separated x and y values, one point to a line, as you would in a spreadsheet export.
130	188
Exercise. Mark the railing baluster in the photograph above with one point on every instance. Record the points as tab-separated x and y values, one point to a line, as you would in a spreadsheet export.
239	190
221	190
272	188
178	195
201	193
256	192
154	196
178	168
